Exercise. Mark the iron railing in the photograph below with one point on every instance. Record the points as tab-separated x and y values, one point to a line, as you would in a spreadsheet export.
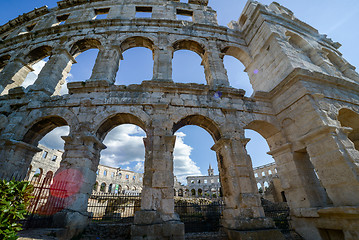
200	217
114	207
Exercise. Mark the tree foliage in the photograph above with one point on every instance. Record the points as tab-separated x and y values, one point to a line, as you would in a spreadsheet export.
14	198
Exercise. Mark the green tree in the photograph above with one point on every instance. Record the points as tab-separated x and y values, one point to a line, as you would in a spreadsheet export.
14	198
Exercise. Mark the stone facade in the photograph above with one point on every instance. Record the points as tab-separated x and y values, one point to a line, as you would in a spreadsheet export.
204	186
306	105
109	179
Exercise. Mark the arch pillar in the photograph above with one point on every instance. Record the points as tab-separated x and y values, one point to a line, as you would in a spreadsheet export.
162	60
215	72
106	65
16	157
77	173
243	212
337	163
13	75
54	73
157	217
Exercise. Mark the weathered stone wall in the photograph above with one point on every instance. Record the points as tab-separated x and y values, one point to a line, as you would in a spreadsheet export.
306	106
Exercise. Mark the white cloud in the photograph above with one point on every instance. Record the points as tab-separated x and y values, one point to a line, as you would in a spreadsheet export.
53	139
32	76
124	146
139	167
183	164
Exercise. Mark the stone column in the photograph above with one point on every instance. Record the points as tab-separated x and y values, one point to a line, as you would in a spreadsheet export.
77	175
157	217
162	57
216	74
336	161
16	157
54	73
243	215
13	75
106	65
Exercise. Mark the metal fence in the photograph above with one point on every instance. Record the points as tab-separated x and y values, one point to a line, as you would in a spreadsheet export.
114	207
200	217
48	199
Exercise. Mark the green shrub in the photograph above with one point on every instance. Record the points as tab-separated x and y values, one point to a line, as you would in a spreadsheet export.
14	198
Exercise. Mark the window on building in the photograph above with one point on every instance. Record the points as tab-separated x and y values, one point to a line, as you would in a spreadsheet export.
184	15
143	12
54	157
263	173
112	174
44	155
270	172
199	181
105	173
101	13
134	178
192	181
120	175
212	180
256	175
127	176
61	19
29	28
205	181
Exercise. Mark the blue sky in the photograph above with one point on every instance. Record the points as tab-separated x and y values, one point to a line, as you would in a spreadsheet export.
338	19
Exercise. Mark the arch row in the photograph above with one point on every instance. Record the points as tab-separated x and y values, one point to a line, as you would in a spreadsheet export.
62	55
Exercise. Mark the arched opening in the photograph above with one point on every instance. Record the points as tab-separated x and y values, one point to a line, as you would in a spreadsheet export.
45	134
349	118
123	136
37	175
137	63
193	158
103	187
85	52
110	188
95	187
187	61
180	192
266	185
32	76
235	61
193	192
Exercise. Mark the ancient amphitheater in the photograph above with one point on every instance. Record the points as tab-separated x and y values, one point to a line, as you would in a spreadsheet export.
306	105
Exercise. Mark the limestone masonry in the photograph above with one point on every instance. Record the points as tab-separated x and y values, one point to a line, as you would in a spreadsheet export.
306	105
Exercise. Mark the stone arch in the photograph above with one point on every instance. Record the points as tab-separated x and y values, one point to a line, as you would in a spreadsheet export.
115	120
84	45
239	53
137	41
268	131
349	118
41	127
191	45
3	60
199	120
38	54
298	42
110	188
